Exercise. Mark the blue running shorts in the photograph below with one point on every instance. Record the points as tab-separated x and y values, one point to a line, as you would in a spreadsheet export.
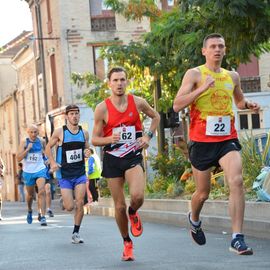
31	178
72	182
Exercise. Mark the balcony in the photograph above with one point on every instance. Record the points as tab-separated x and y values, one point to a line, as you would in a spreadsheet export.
103	24
251	84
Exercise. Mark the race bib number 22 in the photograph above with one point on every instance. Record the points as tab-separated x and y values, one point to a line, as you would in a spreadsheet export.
218	125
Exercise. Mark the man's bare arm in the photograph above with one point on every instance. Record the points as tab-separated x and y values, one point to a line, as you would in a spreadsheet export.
99	120
240	101
54	140
144	107
186	93
22	151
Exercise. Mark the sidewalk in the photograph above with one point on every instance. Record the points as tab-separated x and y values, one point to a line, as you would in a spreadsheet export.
214	215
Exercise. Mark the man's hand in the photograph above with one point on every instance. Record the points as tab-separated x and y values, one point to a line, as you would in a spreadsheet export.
253	106
115	137
29	146
54	166
209	82
87	153
143	142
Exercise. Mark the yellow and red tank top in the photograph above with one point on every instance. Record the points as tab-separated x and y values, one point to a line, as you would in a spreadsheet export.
211	114
127	123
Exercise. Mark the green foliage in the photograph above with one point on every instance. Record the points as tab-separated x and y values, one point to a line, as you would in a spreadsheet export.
168	169
103	187
135	9
253	161
175	41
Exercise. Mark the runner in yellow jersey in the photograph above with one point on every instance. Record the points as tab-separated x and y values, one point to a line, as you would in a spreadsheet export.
210	90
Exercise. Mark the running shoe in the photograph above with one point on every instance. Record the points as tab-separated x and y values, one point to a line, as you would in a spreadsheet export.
128	251
196	232
239	246
136	227
50	213
29	218
39	217
76	239
43	221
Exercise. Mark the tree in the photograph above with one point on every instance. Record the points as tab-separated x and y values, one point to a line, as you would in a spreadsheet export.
175	41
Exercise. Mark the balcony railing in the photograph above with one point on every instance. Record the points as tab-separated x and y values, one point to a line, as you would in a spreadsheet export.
103	24
251	84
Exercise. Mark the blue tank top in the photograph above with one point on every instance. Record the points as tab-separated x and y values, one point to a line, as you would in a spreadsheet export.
70	155
33	161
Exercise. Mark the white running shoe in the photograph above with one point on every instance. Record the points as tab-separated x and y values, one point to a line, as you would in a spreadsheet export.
76	239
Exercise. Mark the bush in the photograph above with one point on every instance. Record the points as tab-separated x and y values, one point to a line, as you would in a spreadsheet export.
103	187
168	168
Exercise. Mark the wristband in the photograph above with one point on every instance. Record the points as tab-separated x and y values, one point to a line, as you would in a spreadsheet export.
246	105
150	134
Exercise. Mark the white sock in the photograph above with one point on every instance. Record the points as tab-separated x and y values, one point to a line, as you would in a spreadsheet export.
196	223
234	235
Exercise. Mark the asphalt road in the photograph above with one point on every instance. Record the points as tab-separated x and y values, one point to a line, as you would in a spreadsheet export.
24	246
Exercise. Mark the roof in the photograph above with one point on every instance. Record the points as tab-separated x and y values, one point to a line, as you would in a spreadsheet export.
15	45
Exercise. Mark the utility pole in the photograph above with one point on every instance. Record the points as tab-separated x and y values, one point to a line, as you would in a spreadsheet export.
160	129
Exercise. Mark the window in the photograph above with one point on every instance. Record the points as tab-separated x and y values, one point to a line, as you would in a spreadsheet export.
255	120
243	121
101	65
250	120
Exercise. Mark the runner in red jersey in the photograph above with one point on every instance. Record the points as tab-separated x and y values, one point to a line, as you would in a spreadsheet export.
117	127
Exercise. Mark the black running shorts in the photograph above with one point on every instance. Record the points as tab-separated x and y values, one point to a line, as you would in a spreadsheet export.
116	166
204	155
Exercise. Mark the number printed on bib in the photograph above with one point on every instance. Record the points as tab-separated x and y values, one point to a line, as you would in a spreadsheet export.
218	125
127	134
74	155
33	157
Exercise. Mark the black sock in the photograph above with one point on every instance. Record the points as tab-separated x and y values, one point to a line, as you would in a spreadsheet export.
76	228
131	211
127	238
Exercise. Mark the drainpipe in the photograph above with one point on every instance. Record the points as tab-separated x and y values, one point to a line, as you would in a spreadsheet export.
41	52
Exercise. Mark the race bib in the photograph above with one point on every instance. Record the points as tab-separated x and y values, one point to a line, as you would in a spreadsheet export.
75	155
34	157
127	134
218	125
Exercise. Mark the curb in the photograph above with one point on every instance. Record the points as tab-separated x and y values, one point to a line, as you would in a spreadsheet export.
214	215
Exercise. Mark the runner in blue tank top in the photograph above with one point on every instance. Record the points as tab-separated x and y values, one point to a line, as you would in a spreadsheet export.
34	171
72	147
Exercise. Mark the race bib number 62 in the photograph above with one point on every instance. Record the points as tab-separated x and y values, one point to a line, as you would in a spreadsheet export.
127	134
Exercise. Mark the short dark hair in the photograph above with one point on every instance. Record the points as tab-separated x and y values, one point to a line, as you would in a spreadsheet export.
213	35
72	107
116	69
20	165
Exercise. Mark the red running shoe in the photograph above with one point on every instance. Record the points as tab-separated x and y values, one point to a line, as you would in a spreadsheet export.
128	251
136	227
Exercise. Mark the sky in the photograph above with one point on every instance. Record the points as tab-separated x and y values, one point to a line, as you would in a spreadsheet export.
15	17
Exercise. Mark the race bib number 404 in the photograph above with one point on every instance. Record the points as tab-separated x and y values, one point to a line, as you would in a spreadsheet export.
74	155
127	134
218	125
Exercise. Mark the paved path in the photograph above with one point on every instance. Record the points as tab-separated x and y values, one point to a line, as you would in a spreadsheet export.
165	247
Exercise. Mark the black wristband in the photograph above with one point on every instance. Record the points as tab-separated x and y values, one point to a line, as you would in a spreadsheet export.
246	105
150	134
